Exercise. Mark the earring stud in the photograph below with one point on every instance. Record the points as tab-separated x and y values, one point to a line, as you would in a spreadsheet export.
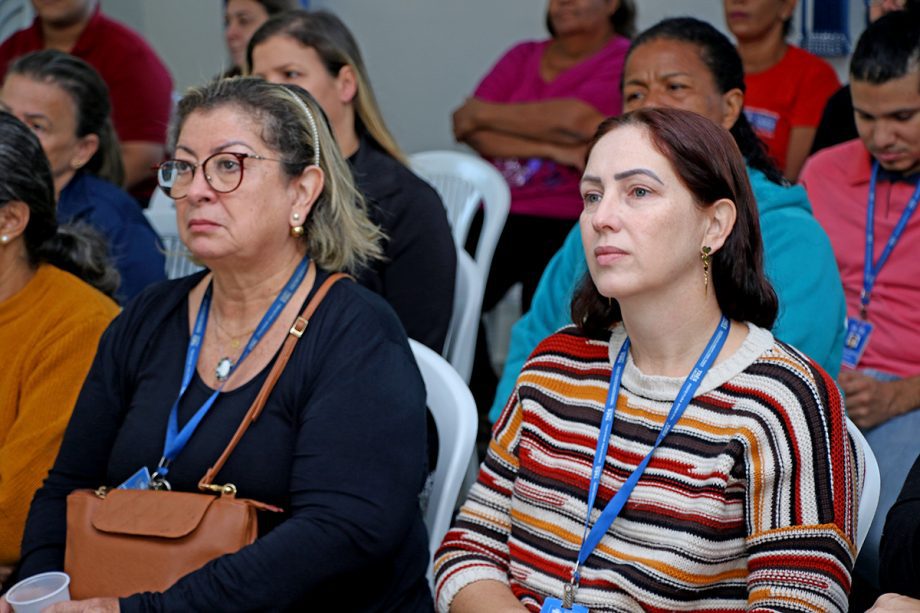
4	238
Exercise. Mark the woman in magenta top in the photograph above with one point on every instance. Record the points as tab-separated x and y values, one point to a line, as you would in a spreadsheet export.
532	116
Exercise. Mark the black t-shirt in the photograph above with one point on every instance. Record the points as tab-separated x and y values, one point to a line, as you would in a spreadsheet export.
340	446
417	273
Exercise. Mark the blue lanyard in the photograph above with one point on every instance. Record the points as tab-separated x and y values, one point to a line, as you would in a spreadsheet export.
591	540
177	439
870	271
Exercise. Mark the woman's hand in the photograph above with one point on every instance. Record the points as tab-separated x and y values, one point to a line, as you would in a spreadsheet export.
871	402
895	602
5	572
93	605
5	606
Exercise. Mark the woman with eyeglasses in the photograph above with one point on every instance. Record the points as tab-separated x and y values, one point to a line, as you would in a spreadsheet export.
315	50
66	103
53	309
266	202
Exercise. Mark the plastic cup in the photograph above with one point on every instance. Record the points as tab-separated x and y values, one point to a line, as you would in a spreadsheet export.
34	594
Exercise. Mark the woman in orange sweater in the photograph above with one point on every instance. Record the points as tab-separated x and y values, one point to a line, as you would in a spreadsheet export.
50	323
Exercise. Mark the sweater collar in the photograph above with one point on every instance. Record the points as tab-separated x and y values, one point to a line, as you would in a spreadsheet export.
665	389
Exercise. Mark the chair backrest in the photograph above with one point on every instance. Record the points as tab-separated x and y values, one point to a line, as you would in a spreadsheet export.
161	213
454	411
464	181
460	346
868	501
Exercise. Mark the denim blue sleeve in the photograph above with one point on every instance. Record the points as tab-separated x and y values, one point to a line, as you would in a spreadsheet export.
549	311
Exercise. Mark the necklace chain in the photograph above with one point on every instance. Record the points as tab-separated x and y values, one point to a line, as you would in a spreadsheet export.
235	340
226	363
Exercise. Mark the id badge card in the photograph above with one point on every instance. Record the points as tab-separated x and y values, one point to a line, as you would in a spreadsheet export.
138	481
855	341
554	605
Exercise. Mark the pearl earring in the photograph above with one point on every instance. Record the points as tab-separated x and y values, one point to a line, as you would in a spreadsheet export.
296	216
4	238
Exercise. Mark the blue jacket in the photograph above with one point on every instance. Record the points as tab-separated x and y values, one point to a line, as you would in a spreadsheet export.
799	262
134	246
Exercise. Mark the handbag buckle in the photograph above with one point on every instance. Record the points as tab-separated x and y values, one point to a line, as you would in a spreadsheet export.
299	327
228	489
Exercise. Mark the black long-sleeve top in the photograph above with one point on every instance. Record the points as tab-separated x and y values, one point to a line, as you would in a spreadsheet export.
340	446
417	273
899	566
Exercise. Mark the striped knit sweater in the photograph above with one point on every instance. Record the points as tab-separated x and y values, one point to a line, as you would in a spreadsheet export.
748	504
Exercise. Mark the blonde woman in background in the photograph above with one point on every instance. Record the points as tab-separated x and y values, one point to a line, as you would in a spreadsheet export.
416	275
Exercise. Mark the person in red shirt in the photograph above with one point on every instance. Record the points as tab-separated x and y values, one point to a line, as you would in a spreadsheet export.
139	83
787	87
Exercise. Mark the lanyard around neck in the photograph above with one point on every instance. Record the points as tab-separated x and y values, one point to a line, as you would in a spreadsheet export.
590	540
176	439
870	270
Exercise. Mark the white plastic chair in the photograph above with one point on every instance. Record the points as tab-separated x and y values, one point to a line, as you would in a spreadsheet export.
454	411
464	181
868	501
161	213
460	346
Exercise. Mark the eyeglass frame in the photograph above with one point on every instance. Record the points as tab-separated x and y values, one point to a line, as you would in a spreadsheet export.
240	156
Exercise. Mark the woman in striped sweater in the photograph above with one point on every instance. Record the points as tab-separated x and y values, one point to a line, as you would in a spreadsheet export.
729	482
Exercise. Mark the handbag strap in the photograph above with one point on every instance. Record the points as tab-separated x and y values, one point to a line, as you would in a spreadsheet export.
297	330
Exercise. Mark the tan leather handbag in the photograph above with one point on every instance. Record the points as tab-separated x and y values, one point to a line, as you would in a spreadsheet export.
121	542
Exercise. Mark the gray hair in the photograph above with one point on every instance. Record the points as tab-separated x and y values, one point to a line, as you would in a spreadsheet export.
338	233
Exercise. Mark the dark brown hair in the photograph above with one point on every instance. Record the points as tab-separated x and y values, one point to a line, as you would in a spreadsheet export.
709	164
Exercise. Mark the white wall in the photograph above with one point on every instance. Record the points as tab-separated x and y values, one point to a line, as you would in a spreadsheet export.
187	34
424	56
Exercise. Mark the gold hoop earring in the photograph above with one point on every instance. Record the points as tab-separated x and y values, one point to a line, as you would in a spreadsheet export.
705	256
297	231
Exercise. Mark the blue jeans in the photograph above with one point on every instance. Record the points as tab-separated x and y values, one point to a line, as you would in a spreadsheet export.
894	444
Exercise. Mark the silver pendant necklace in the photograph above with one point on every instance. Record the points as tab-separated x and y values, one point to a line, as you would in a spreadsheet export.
224	368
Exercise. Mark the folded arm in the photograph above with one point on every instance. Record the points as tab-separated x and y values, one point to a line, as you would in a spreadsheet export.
563	121
495	144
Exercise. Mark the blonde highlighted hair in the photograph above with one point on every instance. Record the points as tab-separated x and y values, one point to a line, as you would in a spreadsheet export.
338	233
337	48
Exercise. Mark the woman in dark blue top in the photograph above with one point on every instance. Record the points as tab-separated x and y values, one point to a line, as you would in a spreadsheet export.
66	103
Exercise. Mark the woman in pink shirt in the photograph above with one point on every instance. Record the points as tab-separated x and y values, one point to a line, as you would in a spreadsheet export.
532	116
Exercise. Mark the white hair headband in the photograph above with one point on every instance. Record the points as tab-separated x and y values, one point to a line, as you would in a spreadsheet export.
311	120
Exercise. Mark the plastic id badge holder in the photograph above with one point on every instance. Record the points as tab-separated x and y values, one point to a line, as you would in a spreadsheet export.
138	481
855	341
554	605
